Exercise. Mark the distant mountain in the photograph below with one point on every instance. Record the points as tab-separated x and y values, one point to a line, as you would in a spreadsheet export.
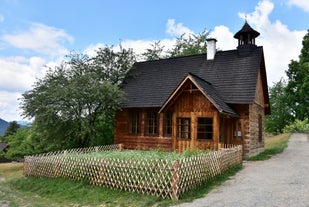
3	126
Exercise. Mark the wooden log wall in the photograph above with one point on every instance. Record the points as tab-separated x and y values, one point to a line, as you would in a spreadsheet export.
193	104
141	140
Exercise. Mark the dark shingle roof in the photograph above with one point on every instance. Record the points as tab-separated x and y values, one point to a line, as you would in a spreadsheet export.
212	94
233	76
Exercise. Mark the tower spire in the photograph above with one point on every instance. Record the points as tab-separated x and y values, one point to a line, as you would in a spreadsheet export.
247	35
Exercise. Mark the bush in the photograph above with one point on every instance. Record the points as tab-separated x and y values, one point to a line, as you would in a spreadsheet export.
297	126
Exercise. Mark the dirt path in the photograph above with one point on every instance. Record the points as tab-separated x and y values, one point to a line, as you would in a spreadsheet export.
280	181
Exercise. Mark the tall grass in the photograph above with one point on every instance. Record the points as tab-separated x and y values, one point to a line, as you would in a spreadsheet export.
140	154
273	145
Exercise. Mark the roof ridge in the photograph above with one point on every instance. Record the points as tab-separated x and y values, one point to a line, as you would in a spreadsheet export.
200	78
171	58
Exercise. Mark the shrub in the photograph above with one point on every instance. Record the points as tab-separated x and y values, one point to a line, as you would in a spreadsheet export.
297	126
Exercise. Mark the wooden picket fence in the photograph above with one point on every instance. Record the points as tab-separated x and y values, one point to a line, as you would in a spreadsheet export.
162	178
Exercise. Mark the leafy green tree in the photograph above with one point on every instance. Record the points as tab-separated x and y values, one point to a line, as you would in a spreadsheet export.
185	45
191	45
25	141
68	102
297	89
113	66
155	52
104	128
281	113
12	129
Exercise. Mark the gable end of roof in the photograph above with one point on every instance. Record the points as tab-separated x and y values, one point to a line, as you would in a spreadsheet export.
207	90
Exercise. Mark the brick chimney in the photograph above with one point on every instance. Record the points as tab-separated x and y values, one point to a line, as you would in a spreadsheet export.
211	48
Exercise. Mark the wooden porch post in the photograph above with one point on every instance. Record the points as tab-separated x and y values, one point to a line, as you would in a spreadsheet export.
161	124
174	131
216	129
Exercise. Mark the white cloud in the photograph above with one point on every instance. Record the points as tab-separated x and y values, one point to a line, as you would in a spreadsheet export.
19	73
138	46
91	49
224	37
281	45
303	4
40	38
176	30
9	110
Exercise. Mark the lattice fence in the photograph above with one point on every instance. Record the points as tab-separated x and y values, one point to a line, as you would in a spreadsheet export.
163	178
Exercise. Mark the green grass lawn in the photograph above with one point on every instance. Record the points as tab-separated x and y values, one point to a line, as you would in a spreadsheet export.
16	190
273	145
30	191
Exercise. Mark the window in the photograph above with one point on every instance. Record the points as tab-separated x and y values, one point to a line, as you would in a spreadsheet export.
134	123
204	128
151	127
237	130
183	128
260	128
168	124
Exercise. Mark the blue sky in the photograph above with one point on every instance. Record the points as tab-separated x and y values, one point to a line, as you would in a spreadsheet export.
34	33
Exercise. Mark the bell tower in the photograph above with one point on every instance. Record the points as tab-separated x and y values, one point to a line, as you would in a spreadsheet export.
246	36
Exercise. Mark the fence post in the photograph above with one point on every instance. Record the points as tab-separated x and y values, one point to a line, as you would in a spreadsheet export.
175	180
121	147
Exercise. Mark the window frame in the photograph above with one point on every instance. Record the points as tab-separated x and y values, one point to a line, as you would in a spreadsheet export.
135	123
237	130
205	126
168	124
151	123
183	128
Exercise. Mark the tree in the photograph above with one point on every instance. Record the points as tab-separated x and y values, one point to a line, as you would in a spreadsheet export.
298	83
155	52
191	45
26	141
68	102
281	113
113	66
185	45
12	129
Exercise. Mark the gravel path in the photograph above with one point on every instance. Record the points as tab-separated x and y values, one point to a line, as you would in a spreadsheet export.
281	181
